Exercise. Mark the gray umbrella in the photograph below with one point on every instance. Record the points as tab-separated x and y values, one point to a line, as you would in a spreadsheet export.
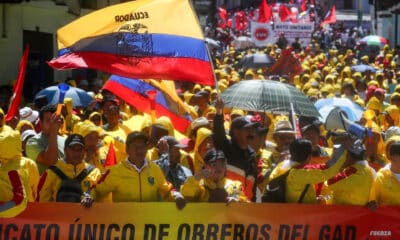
268	96
257	60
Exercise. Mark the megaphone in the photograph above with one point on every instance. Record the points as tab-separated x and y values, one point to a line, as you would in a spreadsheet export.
336	120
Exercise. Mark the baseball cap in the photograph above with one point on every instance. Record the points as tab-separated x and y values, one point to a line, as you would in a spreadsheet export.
202	93
242	122
314	125
74	139
199	122
213	155
136	135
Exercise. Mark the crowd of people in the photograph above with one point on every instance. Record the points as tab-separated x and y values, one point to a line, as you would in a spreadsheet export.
111	152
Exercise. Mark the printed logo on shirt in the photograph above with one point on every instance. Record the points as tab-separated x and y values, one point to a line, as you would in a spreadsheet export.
150	180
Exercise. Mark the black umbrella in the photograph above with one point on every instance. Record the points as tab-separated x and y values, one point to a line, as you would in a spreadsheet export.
257	60
268	96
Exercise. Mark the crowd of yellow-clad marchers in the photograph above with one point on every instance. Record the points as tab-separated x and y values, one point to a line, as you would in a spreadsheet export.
227	155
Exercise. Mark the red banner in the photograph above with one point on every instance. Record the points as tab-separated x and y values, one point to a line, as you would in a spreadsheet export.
202	221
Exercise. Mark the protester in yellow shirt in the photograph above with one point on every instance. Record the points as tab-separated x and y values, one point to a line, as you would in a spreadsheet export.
115	128
19	176
203	143
137	179
51	187
352	185
91	135
302	176
386	188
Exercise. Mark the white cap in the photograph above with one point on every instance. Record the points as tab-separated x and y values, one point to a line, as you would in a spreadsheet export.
26	113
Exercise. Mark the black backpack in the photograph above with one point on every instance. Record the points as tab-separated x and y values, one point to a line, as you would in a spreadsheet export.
275	191
70	189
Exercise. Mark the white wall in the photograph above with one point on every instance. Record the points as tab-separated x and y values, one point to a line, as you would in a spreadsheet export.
44	16
11	45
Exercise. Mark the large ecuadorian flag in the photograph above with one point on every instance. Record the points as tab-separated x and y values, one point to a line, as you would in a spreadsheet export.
156	39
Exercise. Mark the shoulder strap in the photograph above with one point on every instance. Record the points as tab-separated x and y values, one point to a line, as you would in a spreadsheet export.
303	193
84	173
58	172
190	162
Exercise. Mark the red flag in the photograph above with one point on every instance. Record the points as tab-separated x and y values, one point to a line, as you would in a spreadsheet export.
240	20
284	12
223	14
264	12
286	65
331	16
291	1
19	86
303	6
111	159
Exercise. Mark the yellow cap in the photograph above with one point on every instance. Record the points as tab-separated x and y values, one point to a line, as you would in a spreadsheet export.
357	74
85	128
236	111
373	82
312	92
395	95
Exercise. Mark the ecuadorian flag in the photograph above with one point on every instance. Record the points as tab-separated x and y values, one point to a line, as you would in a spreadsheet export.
146	39
166	101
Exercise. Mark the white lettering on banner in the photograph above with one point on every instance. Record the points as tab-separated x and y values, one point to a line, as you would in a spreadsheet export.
262	33
293	30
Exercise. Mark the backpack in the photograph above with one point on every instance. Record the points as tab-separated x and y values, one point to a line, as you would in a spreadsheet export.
70	189
275	191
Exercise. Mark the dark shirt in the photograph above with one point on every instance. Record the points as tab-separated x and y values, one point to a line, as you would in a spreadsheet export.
244	159
176	175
